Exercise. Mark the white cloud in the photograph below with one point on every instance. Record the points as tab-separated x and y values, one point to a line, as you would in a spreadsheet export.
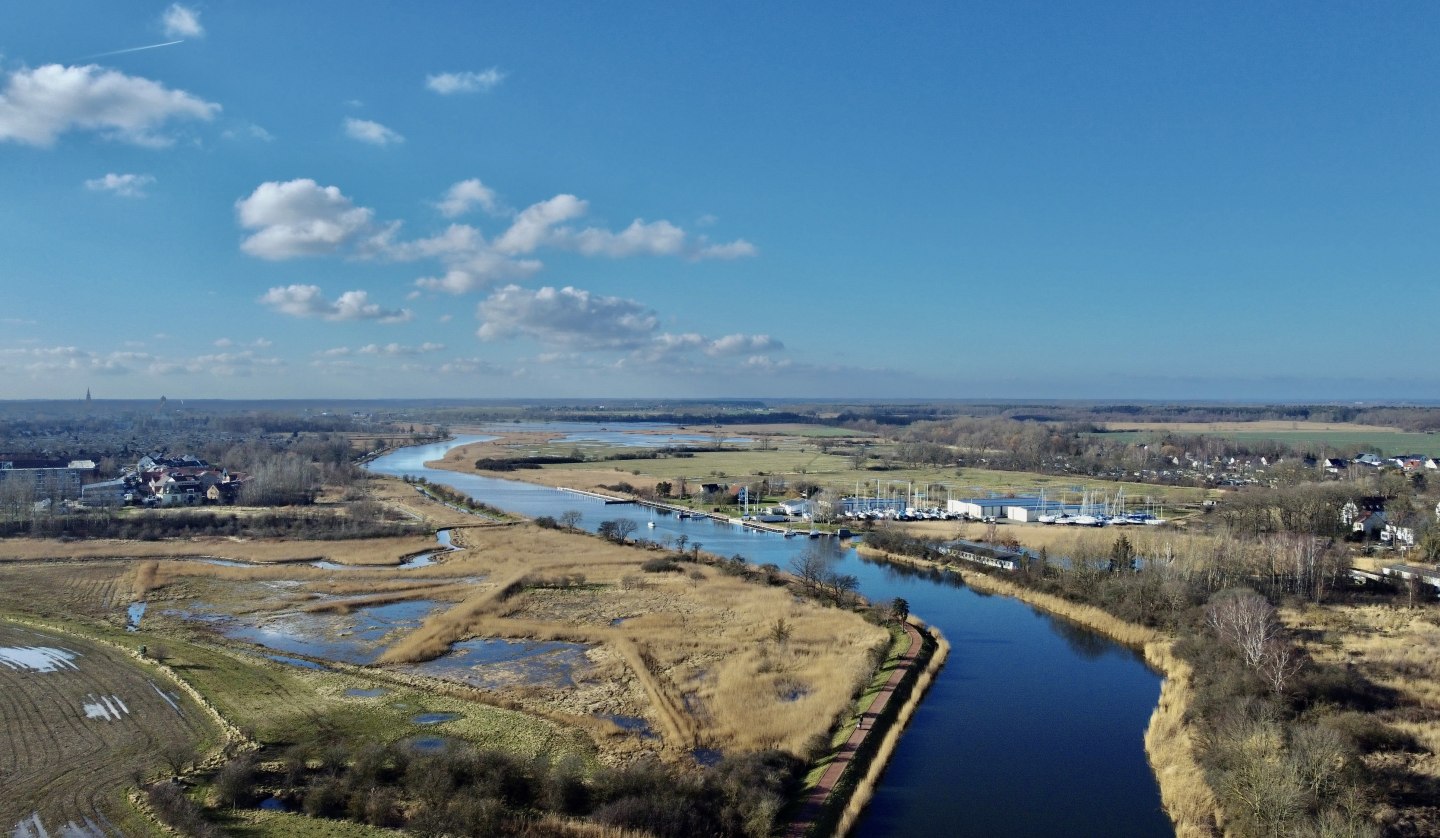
741	344
126	186
567	317
248	131
374	133
532	227
398	349
460	197
309	301
466	82
300	218
737	249
39	105
182	22
59	360
659	238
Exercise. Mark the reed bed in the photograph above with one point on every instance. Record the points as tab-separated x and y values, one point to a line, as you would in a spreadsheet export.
1170	746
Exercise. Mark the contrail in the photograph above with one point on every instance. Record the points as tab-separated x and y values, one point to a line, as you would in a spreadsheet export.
132	49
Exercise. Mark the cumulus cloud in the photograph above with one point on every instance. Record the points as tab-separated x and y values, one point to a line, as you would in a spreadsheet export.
462	196
309	301
37	106
659	238
126	186
467	82
370	132
566	317
672	349
534	224
182	22
300	218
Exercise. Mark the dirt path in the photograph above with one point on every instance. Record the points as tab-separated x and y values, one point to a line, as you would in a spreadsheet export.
77	724
813	803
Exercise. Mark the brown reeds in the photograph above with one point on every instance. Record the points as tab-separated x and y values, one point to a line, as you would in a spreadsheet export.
1170	746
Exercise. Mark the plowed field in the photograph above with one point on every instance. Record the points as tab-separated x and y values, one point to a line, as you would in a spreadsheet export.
78	721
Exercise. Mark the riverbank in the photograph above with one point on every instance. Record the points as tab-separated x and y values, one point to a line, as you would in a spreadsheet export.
1169	740
882	714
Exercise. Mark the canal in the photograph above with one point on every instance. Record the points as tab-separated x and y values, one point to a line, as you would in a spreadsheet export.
1034	727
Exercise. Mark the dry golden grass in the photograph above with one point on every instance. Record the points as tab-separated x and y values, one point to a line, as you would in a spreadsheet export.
1395	648
696	643
1170	745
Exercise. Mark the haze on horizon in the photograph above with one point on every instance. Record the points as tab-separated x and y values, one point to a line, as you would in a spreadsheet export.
987	200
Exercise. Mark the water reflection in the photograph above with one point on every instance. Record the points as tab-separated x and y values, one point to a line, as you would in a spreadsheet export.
1018	707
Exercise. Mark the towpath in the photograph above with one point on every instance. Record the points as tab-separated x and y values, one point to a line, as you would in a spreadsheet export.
814	802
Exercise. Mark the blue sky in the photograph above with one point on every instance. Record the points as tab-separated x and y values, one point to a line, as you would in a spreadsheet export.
1098	200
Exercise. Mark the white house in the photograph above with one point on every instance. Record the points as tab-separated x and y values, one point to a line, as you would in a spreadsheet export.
1402	538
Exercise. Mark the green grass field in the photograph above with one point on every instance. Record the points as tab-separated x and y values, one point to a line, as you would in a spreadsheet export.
835	471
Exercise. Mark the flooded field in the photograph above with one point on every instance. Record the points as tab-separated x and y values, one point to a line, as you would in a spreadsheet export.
494	664
357	637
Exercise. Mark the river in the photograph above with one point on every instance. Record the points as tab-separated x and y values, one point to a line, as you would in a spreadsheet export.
1033	728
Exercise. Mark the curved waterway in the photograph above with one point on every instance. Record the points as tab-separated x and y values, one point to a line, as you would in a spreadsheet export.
1033	728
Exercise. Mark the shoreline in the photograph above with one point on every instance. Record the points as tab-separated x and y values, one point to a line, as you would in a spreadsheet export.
1169	741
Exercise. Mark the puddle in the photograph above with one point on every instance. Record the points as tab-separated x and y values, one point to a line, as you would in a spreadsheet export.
300	662
355	638
793	695
434	718
356	692
37	658
618	621
226	563
273	804
493	663
430	744
133	615
419	560
107	707
708	757
630	724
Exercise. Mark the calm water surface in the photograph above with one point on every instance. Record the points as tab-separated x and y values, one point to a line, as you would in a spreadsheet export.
1033	728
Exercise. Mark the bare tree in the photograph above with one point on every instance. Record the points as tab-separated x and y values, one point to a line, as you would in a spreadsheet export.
1244	619
570	519
811	567
1279	661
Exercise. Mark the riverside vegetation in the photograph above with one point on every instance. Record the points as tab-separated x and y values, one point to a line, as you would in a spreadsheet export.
1285	729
